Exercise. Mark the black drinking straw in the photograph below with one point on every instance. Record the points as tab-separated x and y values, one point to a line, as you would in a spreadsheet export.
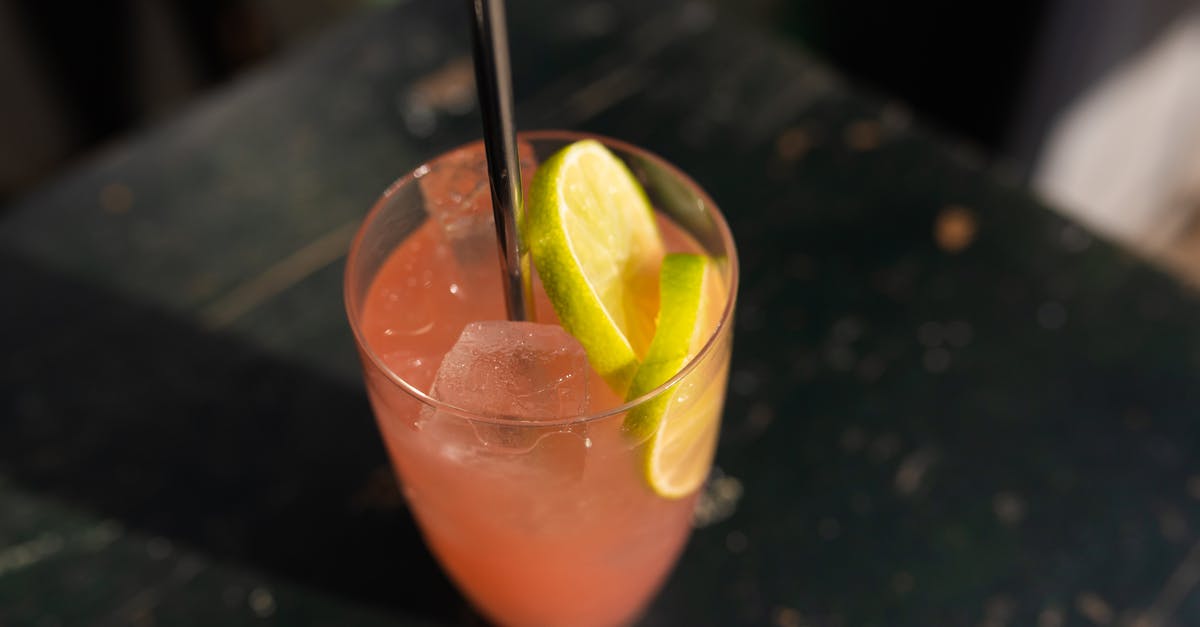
493	81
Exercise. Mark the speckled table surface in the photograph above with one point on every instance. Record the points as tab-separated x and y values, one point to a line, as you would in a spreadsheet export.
948	405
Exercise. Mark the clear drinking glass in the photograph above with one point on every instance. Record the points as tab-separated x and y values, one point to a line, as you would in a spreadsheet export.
539	521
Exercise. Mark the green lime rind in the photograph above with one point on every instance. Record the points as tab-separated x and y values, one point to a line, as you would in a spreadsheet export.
591	232
680	286
681	333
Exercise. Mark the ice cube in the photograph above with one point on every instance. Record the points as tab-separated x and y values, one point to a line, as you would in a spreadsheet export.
520	370
457	195
514	370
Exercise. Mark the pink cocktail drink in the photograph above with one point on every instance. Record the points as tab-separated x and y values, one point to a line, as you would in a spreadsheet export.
536	502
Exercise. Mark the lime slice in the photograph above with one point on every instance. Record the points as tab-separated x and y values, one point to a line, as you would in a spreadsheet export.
680	425
591	232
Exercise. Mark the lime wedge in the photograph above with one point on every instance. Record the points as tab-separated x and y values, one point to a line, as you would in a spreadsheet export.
680	425
591	231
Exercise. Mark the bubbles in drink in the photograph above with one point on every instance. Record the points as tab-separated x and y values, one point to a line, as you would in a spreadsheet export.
446	274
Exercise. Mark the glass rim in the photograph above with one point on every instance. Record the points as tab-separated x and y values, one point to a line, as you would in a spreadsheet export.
726	319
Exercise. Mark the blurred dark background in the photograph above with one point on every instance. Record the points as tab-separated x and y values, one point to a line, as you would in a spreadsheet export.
74	75
994	72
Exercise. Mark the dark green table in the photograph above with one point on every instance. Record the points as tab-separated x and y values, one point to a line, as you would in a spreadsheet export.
948	405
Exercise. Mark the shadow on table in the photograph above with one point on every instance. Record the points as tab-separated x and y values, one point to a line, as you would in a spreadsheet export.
139	416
